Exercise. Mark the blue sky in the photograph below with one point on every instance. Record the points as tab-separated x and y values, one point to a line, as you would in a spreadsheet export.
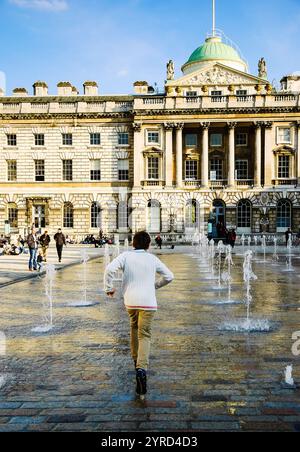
117	42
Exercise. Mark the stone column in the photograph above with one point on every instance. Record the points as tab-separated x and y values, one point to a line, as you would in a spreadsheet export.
269	156
297	144
179	158
169	155
138	155
257	165
205	155
231	156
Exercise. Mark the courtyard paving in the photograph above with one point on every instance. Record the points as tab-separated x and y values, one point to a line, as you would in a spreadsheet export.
79	377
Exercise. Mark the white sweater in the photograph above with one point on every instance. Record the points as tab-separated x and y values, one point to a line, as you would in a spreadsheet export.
139	284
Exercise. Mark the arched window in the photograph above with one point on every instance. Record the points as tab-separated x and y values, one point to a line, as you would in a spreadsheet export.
192	215
96	216
68	215
123	213
154	216
284	214
244	215
13	215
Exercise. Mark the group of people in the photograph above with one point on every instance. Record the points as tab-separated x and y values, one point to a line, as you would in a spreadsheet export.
99	241
39	245
11	246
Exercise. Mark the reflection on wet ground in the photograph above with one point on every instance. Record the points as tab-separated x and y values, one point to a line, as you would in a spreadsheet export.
80	376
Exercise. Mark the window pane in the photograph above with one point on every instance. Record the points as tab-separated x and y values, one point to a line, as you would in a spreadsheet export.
241	167
153	168
192	214
284	167
241	139
191	94
40	170
123	169
284	135
284	214
11	140
67	139
191	170
95	170
153	137
95	139
216	139
11	170
123	138
191	139
122	215
39	139
216	167
13	217
68	216
244	214
96	215
67	170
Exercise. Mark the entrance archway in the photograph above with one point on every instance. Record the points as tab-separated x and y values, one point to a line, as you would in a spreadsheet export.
219	218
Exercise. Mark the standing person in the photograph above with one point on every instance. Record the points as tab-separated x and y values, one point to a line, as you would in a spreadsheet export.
288	235
45	242
158	241
33	244
232	238
60	240
139	268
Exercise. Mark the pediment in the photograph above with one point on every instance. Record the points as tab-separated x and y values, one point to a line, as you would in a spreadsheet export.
217	74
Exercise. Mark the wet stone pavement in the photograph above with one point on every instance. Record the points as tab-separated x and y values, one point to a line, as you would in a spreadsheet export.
79	377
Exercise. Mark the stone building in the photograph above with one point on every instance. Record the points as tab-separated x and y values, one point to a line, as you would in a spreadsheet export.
219	145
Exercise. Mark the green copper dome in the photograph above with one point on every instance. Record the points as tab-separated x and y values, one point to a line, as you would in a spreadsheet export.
215	50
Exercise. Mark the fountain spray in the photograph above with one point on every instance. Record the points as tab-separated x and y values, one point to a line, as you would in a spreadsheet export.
49	279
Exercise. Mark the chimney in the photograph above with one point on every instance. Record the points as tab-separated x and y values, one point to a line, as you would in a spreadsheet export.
75	91
90	88
20	92
40	89
140	88
65	89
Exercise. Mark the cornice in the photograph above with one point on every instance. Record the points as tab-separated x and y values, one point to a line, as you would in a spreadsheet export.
225	111
53	116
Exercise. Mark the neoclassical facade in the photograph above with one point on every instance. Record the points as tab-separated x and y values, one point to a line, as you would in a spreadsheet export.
219	145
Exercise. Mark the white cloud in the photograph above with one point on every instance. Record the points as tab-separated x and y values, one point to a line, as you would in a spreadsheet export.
43	5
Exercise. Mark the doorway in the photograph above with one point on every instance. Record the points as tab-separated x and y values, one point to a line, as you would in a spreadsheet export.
219	219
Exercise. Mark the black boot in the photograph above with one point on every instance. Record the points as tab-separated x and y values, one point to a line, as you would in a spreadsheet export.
141	382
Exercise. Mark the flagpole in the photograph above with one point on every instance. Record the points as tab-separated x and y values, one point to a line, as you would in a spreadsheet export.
214	18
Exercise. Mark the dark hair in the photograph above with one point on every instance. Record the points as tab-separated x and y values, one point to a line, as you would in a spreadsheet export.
141	241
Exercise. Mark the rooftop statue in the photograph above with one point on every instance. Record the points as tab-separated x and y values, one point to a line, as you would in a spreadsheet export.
262	68
170	70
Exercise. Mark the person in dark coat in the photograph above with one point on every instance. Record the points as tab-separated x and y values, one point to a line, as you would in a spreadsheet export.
33	245
45	242
159	241
60	240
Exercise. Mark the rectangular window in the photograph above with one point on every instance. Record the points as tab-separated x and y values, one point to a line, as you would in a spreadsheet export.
123	139
153	137
216	93
40	170
13	217
284	135
284	167
216	169
191	170
39	139
12	170
67	170
241	169
67	139
242	93
241	139
191	139
191	94
95	139
95	170
11	140
216	139
123	170
153	168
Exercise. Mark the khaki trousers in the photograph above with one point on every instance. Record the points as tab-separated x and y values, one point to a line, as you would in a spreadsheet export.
45	252
140	335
